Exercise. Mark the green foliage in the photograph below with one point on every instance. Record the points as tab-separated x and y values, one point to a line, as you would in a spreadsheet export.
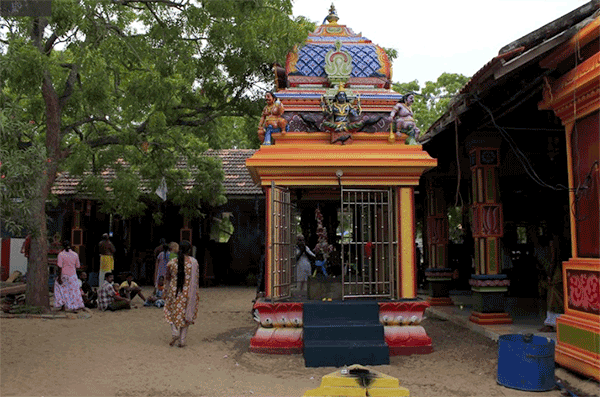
140	89
146	84
432	100
391	53
22	167
455	230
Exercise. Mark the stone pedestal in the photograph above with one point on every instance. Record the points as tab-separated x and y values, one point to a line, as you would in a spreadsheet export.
319	288
489	293
439	286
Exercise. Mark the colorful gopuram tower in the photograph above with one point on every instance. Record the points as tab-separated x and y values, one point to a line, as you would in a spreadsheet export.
327	132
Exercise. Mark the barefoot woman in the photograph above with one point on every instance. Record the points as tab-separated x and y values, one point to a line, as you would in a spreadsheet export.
181	303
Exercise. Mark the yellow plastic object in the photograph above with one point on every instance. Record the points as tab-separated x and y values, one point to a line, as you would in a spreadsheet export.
358	381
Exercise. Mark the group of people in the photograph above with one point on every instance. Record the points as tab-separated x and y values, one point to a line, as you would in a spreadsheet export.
176	285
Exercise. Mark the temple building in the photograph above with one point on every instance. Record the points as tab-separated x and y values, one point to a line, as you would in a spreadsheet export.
339	165
336	151
518	152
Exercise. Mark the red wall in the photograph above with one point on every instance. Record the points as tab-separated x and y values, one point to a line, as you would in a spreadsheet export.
586	170
5	259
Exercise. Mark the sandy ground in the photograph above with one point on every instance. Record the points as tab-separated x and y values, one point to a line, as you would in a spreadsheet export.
126	353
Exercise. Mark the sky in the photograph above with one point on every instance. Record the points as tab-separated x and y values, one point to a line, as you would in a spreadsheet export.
434	36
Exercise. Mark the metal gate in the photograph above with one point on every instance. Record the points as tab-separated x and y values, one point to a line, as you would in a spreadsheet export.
282	243
368	244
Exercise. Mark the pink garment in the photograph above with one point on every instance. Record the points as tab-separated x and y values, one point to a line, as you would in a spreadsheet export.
68	261
68	294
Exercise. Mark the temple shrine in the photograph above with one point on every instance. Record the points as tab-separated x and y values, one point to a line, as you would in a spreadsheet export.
339	164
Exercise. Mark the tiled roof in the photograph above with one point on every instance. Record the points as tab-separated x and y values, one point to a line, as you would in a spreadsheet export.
237	178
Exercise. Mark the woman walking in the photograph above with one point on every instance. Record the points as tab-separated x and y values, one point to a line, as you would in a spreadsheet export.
181	303
160	268
67	294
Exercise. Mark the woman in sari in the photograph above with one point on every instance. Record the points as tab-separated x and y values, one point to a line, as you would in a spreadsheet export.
181	302
67	294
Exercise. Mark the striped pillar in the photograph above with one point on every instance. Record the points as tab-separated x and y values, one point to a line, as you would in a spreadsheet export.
488	285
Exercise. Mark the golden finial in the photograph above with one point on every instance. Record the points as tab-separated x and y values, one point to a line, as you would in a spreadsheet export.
332	18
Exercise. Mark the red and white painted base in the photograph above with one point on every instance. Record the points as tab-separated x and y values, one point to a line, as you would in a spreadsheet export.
280	329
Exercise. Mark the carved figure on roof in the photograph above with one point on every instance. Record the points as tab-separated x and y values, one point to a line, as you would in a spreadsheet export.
402	117
339	113
338	64
271	119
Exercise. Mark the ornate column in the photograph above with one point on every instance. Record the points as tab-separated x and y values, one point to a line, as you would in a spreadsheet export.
437	274
487	284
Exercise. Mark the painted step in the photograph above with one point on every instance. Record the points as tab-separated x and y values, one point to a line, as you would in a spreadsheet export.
340	353
318	312
341	331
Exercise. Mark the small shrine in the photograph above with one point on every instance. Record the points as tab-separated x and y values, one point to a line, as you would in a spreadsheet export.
339	164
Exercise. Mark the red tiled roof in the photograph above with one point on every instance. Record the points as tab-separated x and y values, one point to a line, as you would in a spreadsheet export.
237	178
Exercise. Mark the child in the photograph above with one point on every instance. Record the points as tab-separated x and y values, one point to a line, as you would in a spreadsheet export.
320	264
158	296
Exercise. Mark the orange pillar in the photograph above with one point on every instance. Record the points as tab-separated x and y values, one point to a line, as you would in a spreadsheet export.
407	280
268	239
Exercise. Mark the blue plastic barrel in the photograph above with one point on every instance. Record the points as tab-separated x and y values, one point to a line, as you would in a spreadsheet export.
526	362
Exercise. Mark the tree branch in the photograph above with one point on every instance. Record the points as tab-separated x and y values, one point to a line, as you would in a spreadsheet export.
68	91
165	2
89	120
37	31
103	141
50	43
160	22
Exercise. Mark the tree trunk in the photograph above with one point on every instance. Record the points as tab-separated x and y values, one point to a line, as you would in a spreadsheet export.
37	267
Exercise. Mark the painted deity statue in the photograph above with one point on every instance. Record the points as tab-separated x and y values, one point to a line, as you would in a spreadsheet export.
338	116
271	119
404	120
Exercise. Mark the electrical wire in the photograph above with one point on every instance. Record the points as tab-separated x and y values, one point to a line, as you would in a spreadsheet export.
529	170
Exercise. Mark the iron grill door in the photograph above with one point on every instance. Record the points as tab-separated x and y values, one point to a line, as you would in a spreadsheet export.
368	244
282	255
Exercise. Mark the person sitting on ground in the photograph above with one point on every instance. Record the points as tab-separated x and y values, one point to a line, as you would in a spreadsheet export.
108	298
158	296
88	294
130	289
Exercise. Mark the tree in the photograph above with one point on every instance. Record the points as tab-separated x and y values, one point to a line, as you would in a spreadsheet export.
131	85
432	100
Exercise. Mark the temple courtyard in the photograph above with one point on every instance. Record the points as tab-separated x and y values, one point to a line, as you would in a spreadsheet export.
126	353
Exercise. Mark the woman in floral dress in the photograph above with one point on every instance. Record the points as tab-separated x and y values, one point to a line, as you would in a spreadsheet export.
181	302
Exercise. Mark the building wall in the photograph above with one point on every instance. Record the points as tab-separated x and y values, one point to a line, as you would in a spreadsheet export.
11	258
